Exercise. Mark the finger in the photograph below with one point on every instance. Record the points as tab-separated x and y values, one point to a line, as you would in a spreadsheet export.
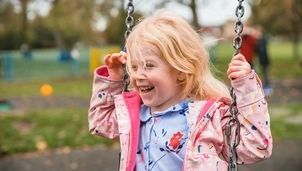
123	58
115	54
235	75
232	76
107	59
124	54
237	72
243	64
230	70
234	68
111	60
239	57
116	59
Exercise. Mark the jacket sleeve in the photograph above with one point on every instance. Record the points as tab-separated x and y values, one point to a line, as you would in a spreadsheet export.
101	114
255	135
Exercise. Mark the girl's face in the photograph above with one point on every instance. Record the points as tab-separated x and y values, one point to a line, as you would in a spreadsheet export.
156	82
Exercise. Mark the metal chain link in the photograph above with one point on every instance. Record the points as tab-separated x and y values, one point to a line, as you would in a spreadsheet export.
238	27
129	19
233	136
129	24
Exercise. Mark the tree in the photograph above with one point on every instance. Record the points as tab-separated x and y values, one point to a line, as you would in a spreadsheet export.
278	17
24	21
9	38
275	16
194	5
115	18
296	24
71	21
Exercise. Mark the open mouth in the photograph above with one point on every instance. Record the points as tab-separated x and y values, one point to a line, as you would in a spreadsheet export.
146	89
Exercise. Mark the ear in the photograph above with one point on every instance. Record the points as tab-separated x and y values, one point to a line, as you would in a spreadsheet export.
181	76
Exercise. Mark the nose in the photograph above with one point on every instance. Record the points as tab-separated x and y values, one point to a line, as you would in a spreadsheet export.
140	73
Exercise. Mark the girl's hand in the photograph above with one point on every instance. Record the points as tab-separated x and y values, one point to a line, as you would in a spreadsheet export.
238	67
114	63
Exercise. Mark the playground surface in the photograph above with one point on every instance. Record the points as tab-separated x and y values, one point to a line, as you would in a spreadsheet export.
286	156
286	153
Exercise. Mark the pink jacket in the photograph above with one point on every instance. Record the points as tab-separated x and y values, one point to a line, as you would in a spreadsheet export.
115	114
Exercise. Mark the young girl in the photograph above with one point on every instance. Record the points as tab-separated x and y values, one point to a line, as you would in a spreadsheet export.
161	124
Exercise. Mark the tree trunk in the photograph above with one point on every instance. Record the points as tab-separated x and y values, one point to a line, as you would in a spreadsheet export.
59	39
24	27
295	29
194	14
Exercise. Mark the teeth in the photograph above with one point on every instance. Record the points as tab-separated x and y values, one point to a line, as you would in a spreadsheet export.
146	88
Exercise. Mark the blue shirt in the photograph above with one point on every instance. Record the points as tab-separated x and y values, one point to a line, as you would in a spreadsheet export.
162	139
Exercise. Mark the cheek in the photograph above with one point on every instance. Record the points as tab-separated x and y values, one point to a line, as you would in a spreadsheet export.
132	80
133	83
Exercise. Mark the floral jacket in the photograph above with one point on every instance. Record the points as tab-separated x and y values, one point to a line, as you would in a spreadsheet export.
115	114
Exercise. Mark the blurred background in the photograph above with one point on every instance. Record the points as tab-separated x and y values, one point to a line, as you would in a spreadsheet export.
49	49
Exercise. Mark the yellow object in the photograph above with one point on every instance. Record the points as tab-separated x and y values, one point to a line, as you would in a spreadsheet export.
46	90
41	145
97	55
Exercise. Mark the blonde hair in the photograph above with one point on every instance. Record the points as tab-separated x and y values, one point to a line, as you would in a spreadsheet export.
170	37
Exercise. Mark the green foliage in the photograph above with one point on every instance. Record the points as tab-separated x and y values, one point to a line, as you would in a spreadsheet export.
276	16
71	22
8	40
115	31
9	33
67	23
41	35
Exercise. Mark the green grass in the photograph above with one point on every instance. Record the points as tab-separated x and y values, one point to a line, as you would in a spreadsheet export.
62	127
80	86
36	129
281	129
283	63
55	128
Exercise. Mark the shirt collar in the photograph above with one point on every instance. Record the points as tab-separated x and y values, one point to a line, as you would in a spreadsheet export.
181	108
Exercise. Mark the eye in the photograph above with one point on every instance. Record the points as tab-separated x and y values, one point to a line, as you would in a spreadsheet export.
149	65
134	67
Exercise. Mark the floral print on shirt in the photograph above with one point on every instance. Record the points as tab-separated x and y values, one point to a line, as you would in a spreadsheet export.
163	139
176	142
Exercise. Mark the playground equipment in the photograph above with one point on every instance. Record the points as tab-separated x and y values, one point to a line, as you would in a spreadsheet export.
97	53
6	67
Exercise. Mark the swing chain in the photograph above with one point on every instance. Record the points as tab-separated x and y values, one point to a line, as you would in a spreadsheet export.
129	24
129	19
233	140
233	136
238	27
125	79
